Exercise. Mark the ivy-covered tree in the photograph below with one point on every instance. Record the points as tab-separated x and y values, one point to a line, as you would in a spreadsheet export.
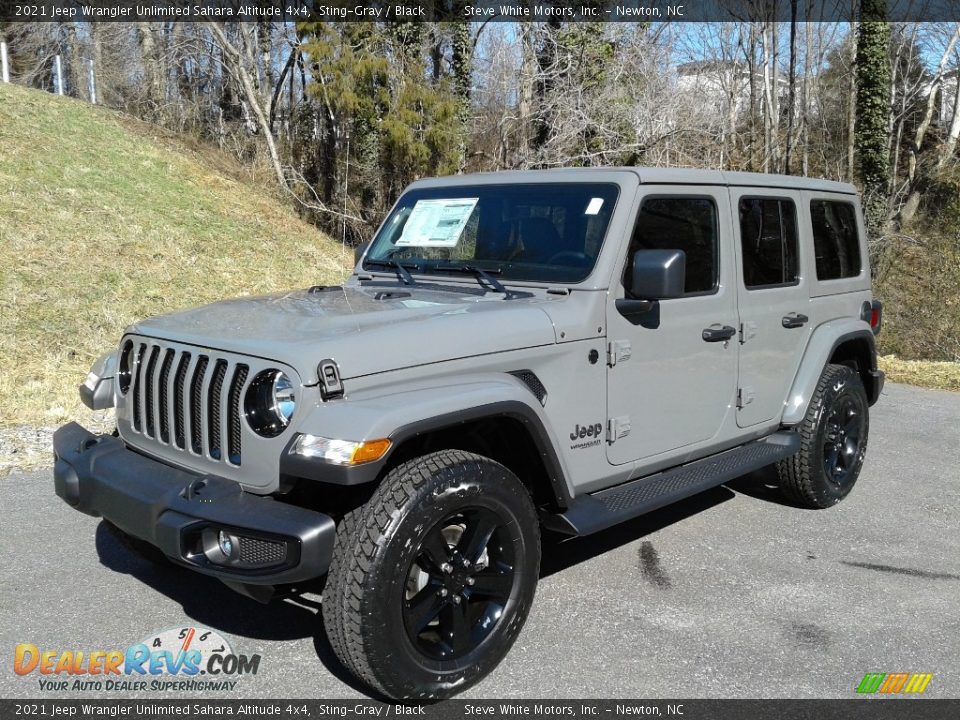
872	135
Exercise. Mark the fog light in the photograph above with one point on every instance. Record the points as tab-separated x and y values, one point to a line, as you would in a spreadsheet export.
226	544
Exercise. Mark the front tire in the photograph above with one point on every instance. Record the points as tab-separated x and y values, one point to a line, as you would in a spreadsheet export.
833	442
433	578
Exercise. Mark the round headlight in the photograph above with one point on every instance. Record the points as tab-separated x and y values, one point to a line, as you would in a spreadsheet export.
270	402
125	367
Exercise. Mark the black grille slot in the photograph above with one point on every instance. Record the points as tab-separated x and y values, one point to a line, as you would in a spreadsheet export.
137	389
196	401
254	551
233	440
163	395
529	378
148	390
213	409
179	380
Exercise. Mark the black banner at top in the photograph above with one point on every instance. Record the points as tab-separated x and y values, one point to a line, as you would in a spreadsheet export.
467	10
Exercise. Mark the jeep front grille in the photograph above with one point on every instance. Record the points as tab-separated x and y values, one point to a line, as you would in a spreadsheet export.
181	398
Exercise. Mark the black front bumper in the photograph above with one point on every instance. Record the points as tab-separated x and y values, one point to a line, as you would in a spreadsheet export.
183	513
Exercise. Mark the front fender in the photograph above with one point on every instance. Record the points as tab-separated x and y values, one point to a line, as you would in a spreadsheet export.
407	410
825	339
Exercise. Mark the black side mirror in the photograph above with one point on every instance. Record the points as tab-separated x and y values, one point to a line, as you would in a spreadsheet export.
358	252
655	275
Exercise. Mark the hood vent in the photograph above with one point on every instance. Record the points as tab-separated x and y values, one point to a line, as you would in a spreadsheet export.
316	289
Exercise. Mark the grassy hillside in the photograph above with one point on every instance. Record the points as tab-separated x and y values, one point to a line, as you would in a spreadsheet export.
104	220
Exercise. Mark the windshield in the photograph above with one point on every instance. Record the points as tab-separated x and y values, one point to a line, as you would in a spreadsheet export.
536	232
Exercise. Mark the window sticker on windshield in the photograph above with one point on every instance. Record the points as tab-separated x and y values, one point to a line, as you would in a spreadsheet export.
436	223
594	207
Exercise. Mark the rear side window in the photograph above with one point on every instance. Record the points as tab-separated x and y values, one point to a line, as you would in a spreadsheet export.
835	239
768	237
680	223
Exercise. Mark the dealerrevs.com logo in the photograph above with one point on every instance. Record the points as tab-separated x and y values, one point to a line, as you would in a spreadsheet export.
182	659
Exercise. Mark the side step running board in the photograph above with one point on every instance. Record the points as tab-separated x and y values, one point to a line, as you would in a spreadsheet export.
602	509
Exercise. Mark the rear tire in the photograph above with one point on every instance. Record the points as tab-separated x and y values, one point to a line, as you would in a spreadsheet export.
432	579
833	441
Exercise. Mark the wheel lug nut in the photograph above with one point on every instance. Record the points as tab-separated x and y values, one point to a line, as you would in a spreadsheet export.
443	592
456	599
447	568
471	581
466	563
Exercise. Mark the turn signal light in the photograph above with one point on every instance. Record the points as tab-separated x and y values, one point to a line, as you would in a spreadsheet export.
341	452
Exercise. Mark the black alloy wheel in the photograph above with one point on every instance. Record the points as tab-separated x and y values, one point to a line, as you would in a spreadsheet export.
459	583
841	442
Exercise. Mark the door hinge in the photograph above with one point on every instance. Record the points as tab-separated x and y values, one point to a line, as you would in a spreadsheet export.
617	428
744	397
618	351
748	330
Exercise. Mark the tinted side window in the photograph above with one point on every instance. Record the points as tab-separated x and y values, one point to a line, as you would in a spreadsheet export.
680	223
768	237
835	239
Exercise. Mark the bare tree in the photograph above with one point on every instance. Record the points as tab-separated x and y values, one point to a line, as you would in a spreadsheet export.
934	94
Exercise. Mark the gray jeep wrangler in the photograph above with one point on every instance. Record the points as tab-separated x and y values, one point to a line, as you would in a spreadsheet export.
561	349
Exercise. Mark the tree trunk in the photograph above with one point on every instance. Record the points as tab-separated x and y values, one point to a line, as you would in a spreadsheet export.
150	56
852	106
792	91
873	112
914	182
252	98
525	104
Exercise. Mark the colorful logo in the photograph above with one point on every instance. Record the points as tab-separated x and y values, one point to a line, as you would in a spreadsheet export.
183	653
893	683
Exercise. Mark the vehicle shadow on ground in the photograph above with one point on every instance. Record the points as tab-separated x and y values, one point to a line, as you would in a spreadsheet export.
213	605
762	484
560	552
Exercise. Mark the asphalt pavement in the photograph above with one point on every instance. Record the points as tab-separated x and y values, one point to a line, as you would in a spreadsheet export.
730	594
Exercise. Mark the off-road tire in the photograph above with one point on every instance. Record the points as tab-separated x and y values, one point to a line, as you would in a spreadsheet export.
376	546
804	477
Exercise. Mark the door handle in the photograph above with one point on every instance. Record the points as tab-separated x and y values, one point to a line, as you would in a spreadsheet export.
794	320
715	333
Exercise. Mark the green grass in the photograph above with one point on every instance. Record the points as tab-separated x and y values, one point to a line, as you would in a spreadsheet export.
105	220
924	373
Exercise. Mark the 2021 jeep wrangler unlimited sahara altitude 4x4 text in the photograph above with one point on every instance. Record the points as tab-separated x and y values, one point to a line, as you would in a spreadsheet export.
563	348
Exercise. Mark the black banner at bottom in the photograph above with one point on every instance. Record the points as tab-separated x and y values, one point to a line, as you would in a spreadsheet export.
854	709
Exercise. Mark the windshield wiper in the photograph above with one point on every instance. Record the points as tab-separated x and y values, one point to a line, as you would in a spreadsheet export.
401	269
479	273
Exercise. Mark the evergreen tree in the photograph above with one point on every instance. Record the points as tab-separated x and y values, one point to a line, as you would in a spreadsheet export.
371	83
